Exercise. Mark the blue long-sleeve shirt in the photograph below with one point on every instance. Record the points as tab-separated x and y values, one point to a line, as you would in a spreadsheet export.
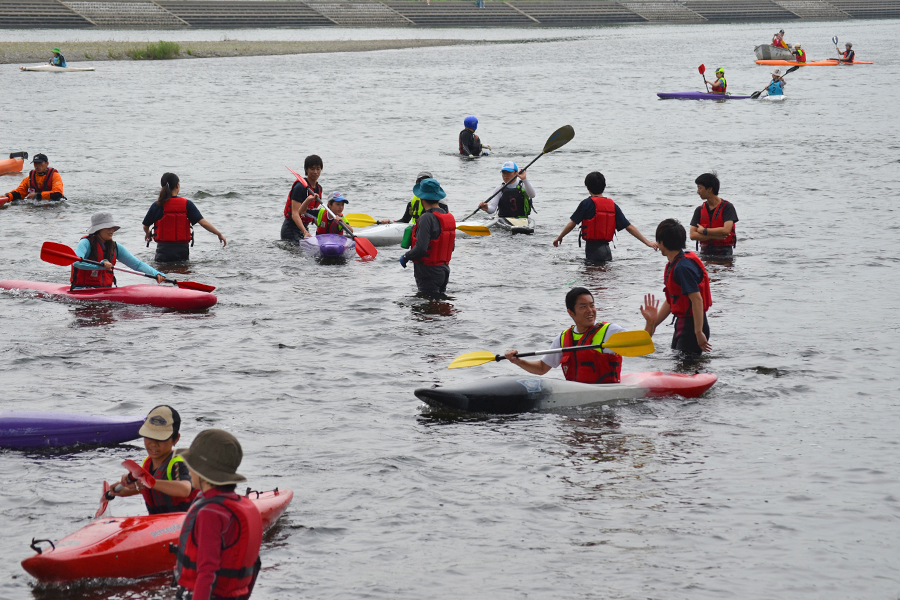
122	254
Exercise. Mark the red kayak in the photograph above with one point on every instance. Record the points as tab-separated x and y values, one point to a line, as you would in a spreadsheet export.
128	547
151	295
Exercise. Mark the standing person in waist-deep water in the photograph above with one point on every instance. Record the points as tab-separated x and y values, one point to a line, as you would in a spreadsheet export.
686	287
218	550
469	143
58	60
172	491
42	183
585	366
433	241
173	219
415	208
305	195
98	245
719	86
848	56
512	198
712	225
325	223
600	219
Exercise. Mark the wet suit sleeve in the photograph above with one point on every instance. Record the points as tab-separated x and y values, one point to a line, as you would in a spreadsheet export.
56	189
688	276
154	214
429	229
180	471
193	213
131	262
621	222
407	216
585	210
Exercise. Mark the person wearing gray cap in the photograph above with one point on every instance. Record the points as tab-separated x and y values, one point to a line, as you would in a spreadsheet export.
98	246
218	550
42	183
414	208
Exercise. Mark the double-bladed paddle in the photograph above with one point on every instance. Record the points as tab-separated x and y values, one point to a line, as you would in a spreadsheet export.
755	95
62	255
624	343
702	69
835	40
364	248
135	473
557	139
364	220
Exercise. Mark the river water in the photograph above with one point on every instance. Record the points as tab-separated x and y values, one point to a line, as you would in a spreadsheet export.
780	482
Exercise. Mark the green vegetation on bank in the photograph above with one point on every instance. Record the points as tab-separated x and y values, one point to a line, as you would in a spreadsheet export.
158	51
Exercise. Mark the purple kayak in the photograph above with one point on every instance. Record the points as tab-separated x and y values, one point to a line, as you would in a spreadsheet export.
328	245
698	96
33	429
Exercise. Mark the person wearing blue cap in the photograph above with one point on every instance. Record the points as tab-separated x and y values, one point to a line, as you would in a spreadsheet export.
469	143
433	241
325	223
512	198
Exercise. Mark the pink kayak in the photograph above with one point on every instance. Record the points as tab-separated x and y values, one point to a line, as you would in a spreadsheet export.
151	295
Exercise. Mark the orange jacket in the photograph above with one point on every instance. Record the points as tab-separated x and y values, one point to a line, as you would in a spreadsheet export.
22	191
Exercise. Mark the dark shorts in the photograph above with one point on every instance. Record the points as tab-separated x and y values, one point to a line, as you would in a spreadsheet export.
684	338
597	252
172	252
431	281
290	232
710	250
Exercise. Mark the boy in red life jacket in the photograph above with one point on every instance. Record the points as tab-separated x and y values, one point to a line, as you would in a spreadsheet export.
305	195
42	183
600	219
712	225
218	550
173	491
585	366
324	222
433	241
686	287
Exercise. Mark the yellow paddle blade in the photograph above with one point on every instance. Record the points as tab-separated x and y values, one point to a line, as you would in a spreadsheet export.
630	343
358	220
473	359
479	230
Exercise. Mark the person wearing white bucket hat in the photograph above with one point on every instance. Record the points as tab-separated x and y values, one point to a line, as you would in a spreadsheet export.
776	86
98	246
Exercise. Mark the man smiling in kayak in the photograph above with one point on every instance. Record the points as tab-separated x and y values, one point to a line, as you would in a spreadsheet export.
172	491
42	183
712	225
512	198
719	86
584	366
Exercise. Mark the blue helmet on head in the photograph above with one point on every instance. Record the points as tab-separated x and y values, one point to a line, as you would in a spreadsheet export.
471	122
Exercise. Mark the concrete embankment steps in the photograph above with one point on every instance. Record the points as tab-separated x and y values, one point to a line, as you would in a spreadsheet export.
40	14
664	12
584	13
869	9
360	14
214	14
460	14
812	9
127	14
739	11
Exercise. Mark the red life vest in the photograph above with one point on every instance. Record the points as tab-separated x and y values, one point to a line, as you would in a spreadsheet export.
715	220
680	303
778	43
240	562
159	503
589	366
602	226
720	89
306	219
46	186
174	226
800	55
441	249
848	55
99	277
328	225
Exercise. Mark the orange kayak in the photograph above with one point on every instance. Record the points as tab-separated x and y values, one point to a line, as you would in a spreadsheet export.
831	62
14	163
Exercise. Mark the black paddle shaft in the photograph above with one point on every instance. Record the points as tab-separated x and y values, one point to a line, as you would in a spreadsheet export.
755	95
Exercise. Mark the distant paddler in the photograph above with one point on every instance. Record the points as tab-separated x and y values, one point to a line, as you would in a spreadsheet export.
512	198
799	53
778	40
776	86
305	195
600	219
42	183
719	86
98	246
58	60
469	143
331	222
848	55
173	218
433	241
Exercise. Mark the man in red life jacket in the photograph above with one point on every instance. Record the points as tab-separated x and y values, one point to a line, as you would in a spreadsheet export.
172	491
305	195
42	183
848	56
433	241
686	287
585	366
778	40
600	219
799	53
218	550
712	225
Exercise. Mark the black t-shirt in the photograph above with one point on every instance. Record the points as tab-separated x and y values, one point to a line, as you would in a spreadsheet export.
728	214
299	192
156	213
587	210
687	275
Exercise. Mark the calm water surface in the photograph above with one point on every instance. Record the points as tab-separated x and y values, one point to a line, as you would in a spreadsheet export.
781	482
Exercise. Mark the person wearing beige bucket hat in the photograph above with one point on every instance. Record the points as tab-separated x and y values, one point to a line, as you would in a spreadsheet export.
218	550
98	246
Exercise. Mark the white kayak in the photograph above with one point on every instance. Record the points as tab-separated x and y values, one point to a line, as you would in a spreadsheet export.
779	98
513	225
382	235
55	69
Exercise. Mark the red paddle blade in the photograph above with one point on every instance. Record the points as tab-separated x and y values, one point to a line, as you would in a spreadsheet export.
58	254
365	249
103	501
296	174
702	69
193	285
138	472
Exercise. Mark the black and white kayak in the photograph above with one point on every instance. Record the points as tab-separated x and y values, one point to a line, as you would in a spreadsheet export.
55	69
510	395
512	224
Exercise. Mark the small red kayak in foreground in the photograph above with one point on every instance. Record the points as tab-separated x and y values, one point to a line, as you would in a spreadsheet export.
150	295
128	547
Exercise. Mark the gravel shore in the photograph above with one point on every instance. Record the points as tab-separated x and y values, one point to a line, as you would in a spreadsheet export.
77	52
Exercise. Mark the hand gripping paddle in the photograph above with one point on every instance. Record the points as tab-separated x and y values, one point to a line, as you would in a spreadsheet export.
624	343
135	473
62	255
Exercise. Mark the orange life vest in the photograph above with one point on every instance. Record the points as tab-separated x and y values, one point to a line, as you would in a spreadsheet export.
441	249
715	220
174	226
602	226
312	205
679	302
99	277
589	366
